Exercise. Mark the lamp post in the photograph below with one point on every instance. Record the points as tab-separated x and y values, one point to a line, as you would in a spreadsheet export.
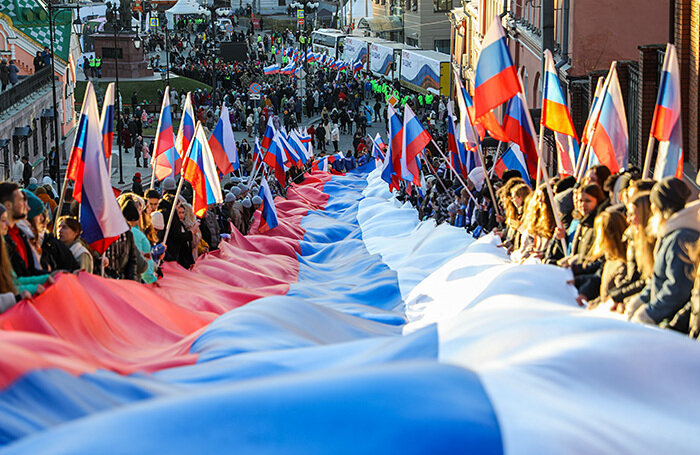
55	9
117	29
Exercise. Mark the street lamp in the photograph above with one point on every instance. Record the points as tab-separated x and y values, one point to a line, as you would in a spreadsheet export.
54	9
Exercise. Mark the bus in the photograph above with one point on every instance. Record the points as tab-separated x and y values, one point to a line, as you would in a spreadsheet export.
328	41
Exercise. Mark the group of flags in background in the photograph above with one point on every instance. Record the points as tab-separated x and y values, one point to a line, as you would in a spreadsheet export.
198	159
295	55
605	135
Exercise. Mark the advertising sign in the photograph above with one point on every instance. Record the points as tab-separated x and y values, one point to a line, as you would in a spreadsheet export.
355	49
381	59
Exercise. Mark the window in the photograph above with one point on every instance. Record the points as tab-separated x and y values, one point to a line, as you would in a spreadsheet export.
414	5
442	5
281	2
442	45
412	42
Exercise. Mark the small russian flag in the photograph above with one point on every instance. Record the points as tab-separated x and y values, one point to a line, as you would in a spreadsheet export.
268	217
272	69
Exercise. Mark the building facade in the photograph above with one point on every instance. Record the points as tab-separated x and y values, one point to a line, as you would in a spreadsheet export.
26	110
426	24
585	36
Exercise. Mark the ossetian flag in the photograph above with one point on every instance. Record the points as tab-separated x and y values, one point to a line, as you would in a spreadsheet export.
666	124
200	170
610	137
556	117
268	218
496	80
100	216
223	144
164	153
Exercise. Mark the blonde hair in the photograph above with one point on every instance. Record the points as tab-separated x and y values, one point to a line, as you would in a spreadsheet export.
609	228
643	242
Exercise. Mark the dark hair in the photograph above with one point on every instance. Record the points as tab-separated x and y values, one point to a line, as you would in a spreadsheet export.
601	172
152	194
564	184
6	191
592	189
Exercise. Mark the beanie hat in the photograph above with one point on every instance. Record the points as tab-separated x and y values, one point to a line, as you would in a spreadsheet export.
235	191
246	203
137	177
670	194
257	200
169	184
130	212
158	221
32	187
36	206
229	198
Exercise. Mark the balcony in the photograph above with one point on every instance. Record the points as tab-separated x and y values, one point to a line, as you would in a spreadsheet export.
27	89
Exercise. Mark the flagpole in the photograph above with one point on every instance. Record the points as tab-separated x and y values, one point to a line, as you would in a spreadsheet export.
647	158
582	158
432	169
459	177
486	174
594	126
60	202
179	189
496	157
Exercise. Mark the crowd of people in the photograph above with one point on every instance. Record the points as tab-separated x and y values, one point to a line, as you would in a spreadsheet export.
632	244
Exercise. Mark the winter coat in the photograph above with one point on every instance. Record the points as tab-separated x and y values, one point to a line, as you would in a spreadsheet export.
671	282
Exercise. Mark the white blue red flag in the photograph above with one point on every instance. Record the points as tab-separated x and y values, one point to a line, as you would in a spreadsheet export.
414	140
223	144
289	69
268	216
100	217
357	66
378	147
512	159
185	132
496	80
165	154
107	122
200	170
518	125
392	163
610	137
272	69
666	124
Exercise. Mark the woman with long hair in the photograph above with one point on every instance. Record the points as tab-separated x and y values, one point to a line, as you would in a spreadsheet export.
609	245
8	290
640	252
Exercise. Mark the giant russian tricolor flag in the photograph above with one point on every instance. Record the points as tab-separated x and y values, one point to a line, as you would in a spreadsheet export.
518	125
268	212
185	132
199	169
107	122
496	80
610	137
223	144
556	117
413	141
666	124
165	155
100	216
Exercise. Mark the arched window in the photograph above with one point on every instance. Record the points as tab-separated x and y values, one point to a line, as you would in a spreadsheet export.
524	77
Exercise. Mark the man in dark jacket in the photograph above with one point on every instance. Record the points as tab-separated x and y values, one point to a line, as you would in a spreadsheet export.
18	247
677	231
26	171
